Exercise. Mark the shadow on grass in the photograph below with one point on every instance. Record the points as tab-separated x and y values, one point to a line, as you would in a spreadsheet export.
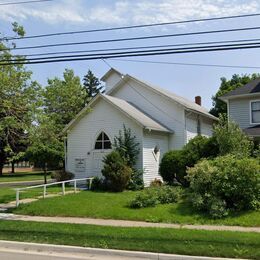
18	175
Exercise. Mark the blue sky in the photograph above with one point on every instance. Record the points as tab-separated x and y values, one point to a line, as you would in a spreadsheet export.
188	81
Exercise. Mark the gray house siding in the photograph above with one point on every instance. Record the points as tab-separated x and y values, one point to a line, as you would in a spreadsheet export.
239	111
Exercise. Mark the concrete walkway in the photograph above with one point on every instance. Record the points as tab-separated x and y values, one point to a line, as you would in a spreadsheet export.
23	183
123	223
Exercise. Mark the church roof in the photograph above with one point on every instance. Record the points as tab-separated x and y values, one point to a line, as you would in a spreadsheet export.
146	121
189	105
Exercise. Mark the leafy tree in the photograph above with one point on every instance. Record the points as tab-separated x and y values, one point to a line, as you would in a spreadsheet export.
91	85
219	106
17	94
63	98
127	146
46	148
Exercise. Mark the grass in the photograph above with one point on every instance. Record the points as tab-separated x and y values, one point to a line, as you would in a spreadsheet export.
164	240
115	206
9	194
23	176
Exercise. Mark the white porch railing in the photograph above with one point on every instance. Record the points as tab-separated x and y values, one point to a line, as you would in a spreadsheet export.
44	186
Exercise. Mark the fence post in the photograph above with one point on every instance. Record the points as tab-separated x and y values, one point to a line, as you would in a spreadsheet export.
75	186
90	183
44	191
63	188
17	198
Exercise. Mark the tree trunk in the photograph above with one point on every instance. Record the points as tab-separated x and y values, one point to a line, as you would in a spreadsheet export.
1	169
45	173
13	167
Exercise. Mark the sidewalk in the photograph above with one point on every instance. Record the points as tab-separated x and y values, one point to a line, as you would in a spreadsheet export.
123	223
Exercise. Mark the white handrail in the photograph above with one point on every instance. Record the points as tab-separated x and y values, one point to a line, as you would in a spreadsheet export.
51	184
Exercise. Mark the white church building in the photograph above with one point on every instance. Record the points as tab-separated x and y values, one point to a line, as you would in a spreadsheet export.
160	120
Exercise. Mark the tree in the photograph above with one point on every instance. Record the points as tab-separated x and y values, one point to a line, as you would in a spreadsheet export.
17	94
127	146
231	139
63	99
92	86
46	148
219	106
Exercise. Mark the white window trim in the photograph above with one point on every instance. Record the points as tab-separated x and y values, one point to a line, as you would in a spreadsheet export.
250	111
94	144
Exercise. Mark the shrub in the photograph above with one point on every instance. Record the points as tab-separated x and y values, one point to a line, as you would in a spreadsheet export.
172	167
97	184
168	194
146	198
136	181
225	184
62	175
174	164
231	139
127	146
117	174
150	197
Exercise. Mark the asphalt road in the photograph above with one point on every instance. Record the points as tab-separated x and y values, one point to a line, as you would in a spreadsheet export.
19	255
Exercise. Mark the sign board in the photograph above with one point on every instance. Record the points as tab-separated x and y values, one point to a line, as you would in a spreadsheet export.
80	165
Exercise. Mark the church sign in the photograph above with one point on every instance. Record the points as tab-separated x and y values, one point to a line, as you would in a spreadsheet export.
80	165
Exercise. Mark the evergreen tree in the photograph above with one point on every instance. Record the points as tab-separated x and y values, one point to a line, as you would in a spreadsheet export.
92	86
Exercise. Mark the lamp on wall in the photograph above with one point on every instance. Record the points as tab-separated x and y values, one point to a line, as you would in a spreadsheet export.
156	149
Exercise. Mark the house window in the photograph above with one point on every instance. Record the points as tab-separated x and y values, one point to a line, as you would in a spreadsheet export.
103	142
255	112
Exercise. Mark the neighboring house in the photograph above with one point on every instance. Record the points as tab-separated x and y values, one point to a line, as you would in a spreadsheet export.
160	120
243	106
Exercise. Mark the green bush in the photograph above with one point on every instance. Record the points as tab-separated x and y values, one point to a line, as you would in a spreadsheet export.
172	167
225	184
146	198
62	175
231	139
150	197
174	164
136	181
97	184
115	171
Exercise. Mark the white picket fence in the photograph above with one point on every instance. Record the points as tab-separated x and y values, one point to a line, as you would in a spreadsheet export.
44	186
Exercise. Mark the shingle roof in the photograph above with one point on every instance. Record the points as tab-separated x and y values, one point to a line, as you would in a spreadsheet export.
253	131
181	100
250	88
145	120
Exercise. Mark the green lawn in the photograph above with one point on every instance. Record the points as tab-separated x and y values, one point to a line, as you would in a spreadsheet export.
176	241
23	176
115	206
9	194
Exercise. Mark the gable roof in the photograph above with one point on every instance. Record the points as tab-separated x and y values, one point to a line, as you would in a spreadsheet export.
126	108
189	105
253	87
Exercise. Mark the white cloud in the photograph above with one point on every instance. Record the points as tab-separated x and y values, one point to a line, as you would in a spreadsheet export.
126	12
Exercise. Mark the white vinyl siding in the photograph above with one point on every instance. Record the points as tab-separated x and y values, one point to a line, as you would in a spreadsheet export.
151	161
81	139
168	113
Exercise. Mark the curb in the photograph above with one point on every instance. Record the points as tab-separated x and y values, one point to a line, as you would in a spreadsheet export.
61	249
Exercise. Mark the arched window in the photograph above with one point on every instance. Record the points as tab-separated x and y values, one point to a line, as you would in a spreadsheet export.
103	142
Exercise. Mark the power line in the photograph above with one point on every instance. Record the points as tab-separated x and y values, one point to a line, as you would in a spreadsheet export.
139	47
25	2
135	38
130	27
108	56
187	64
145	51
